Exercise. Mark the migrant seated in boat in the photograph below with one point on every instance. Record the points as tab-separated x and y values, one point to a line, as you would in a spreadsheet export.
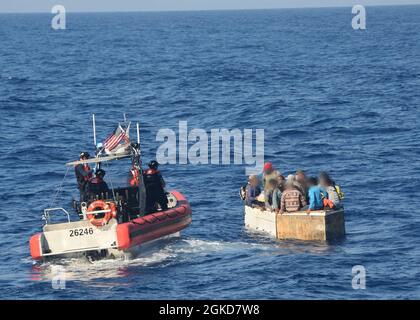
301	183
252	191
316	195
334	193
273	196
292	199
269	173
296	193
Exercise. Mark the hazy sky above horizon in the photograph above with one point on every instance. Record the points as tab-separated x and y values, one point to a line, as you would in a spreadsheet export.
161	5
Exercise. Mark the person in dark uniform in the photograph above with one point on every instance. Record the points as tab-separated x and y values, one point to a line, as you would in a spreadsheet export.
155	188
97	186
83	175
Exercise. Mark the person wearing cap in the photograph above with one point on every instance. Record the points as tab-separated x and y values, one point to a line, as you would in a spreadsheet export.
292	200
97	185
155	188
269	173
83	174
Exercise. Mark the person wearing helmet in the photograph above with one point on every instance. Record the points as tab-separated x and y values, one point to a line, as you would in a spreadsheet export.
155	188
97	185
83	175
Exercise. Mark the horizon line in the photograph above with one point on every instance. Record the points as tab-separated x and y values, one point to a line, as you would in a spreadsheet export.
206	10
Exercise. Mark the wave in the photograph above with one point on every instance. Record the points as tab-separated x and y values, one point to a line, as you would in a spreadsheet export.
173	251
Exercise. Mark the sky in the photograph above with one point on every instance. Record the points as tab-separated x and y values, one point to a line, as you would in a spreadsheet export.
169	5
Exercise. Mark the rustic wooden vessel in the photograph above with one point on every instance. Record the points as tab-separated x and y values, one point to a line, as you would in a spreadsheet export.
320	225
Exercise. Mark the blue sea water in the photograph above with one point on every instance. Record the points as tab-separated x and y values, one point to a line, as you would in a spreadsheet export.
329	98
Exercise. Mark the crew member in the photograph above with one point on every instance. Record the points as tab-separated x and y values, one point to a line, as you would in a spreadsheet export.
133	179
83	175
97	186
155	188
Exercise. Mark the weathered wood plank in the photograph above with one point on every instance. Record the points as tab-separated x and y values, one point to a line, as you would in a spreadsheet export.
259	220
317	226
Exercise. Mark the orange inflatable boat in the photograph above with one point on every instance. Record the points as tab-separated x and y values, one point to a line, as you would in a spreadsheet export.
113	221
110	238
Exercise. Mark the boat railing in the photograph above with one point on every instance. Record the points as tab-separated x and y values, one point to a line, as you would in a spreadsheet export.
47	214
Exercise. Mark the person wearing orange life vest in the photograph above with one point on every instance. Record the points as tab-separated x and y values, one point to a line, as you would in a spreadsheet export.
83	175
133	179
333	191
155	188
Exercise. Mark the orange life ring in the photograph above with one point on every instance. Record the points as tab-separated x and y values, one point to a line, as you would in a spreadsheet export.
109	207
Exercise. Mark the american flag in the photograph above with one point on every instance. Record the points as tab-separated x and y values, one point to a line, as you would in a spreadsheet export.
115	138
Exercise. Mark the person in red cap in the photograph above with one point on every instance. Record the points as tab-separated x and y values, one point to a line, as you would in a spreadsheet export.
268	166
269	173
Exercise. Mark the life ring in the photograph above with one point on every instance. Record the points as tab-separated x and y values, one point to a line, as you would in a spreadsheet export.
109	208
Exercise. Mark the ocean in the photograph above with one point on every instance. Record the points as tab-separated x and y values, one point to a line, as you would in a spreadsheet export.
328	98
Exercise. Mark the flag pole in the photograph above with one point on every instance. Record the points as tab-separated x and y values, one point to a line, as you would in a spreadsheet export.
141	189
94	129
138	133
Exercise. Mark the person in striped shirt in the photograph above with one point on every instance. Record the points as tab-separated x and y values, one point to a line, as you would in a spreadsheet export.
292	200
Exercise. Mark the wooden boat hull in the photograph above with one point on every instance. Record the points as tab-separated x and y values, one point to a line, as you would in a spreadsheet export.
320	225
